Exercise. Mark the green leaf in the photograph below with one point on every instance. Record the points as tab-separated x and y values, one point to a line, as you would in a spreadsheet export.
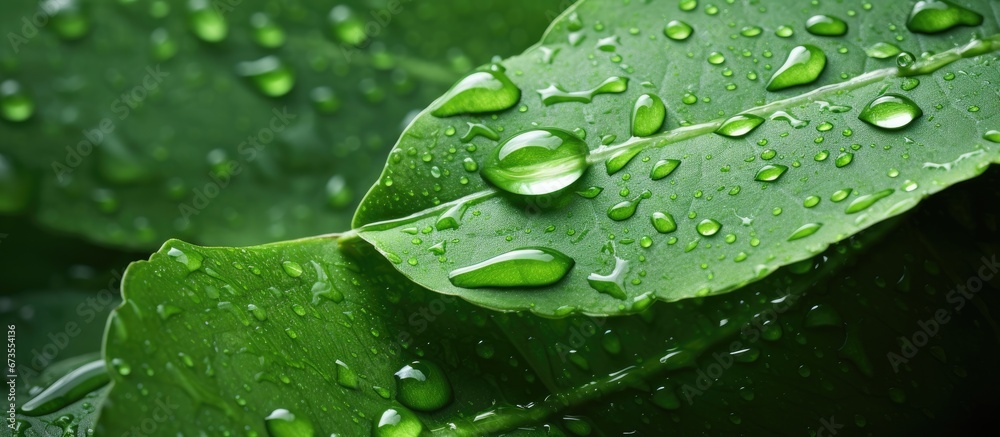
141	146
224	338
739	182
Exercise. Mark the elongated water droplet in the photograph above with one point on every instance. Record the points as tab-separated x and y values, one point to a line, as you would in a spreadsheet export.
477	93
15	103
663	168
346	26
648	115
191	259
992	136
272	76
537	162
739	125
554	94
663	222
345	376
709	227
805	231
590	192
282	423
423	386
792	121
881	50
803	66
620	159
207	23
826	25
935	16
678	30
612	284
292	268
481	130
451	218
770	172
266	32
890	111
68	389
398	422
626	209
864	202
525	267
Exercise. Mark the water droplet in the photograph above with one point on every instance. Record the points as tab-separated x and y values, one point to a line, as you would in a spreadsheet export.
292	268
608	44
862	203
345	376
67	389
477	93
537	162
823	316
709	227
770	172
739	125
485	350
881	50
678	30
266	32
69	19
525	267
423	386
620	159
909	83
992	136
398	422
825	25
554	94
324	99
687	5
716	58
935	16
663	168
805	231
15	104
795	123
258	312
206	22
346	26
811	201
844	159
479	129
626	209
648	115
890	111
784	31
612	284
451	218
905	60
191	259
751	31
162	45
590	192
666	398
271	75
803	66
282	423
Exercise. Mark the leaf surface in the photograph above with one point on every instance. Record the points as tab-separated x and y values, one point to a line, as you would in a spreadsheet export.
812	174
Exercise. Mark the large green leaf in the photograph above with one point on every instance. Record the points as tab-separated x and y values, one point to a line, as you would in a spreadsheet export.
169	139
432	214
215	340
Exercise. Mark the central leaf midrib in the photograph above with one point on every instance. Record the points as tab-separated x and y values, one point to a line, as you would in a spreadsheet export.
925	66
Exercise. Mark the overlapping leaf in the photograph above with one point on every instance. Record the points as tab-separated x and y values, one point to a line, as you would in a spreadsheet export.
812	175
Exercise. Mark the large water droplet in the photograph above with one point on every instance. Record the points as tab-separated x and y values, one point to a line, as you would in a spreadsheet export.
537	162
15	104
709	227
620	159
612	284
938	16
648	115
206	22
890	111
825	25
479	92
663	168
282	423
770	172
423	386
992	136
398	422
739	125
525	267
346	377
68	389
626	209
271	75
803	66
678	30
554	94
663	222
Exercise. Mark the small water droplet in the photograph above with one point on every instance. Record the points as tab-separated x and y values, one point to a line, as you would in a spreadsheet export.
191	259
784	31
626	209
525	267
890	111
537	162
292	268
271	75
15	103
803	66
739	125
770	172
863	202
69	19
881	50
823	315
346	26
